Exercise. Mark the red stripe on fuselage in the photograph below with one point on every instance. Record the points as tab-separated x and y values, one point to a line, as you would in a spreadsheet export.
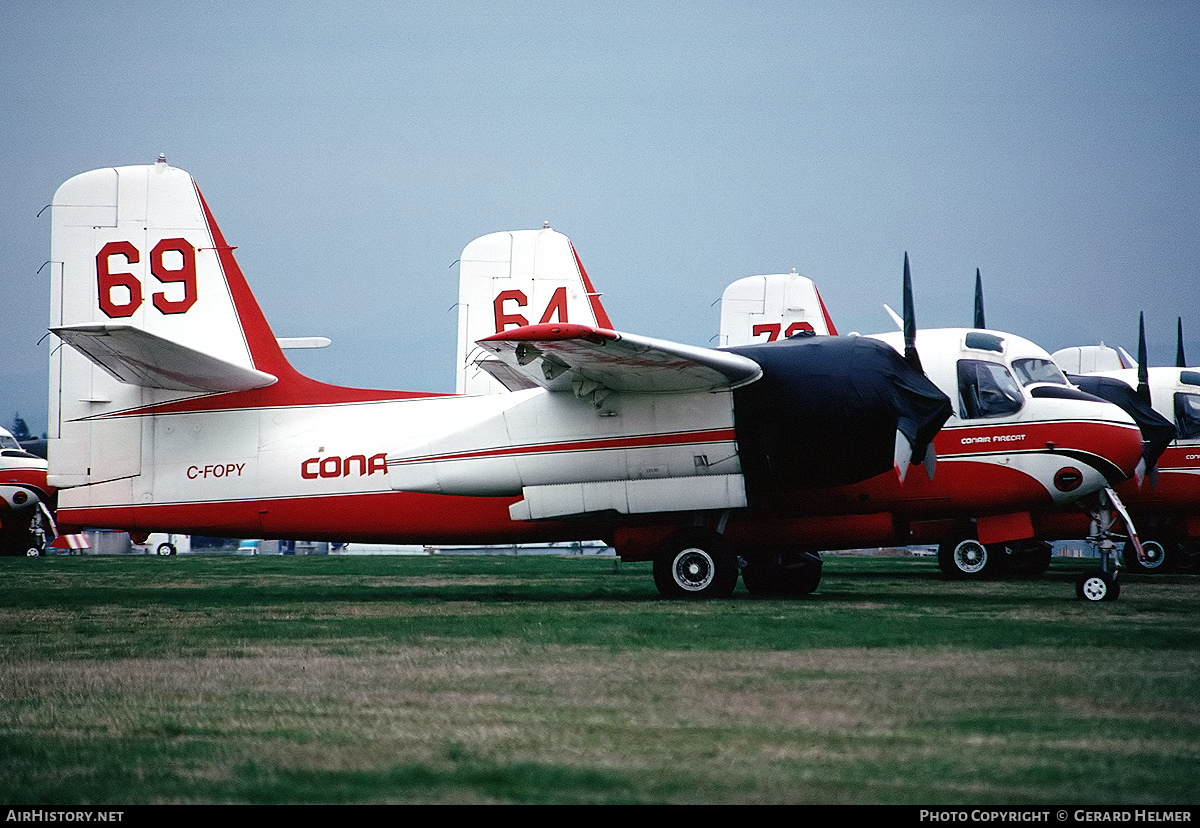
598	444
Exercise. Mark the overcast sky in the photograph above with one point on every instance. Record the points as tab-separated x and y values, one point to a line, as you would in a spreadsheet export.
350	151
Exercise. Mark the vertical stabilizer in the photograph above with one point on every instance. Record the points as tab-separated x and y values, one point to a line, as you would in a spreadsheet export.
151	307
512	279
766	308
1088	359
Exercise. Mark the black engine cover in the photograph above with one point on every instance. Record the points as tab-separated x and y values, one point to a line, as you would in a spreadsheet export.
826	411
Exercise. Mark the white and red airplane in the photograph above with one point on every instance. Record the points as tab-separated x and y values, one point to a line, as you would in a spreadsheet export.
1022	447
174	408
25	500
1164	502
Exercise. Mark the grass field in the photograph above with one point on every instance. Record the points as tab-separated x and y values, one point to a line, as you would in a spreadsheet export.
136	680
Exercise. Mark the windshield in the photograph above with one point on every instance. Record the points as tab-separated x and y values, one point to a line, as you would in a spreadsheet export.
986	389
1034	370
1187	416
9	442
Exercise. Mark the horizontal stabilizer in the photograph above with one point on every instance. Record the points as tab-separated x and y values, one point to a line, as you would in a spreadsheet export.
137	357
511	378
584	358
294	342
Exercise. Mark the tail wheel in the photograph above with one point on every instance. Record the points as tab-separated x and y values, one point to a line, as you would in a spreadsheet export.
695	563
1098	586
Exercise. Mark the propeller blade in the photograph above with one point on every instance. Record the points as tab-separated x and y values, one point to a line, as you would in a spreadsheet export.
979	323
902	458
1143	374
1180	362
895	317
910	322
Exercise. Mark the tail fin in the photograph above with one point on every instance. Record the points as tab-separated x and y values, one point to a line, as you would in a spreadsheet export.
1088	359
512	279
766	308
146	293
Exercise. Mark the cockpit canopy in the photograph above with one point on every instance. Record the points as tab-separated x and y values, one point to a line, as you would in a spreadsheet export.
987	389
1036	369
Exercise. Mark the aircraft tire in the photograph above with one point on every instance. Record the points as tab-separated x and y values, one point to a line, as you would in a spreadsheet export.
1162	557
968	559
695	564
1097	586
166	549
789	574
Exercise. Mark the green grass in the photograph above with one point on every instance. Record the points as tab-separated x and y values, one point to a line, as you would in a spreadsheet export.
130	680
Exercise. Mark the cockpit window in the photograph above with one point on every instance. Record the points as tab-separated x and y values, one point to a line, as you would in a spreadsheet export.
986	389
984	341
1034	370
1187	416
9	442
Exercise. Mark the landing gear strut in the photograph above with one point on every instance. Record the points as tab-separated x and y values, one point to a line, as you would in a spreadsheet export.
1103	585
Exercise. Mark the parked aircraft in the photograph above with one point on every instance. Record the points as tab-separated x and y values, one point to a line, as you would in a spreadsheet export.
1003	456
174	409
1014	453
1165	501
26	524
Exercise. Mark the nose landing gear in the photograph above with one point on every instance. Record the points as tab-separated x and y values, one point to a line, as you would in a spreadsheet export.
1103	585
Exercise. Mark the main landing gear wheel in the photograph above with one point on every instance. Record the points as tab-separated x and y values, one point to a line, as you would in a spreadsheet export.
967	558
784	574
1098	586
695	563
165	549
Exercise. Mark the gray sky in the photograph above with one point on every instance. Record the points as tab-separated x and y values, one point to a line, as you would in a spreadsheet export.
351	150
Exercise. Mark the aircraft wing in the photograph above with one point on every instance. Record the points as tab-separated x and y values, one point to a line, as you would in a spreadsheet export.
138	357
587	360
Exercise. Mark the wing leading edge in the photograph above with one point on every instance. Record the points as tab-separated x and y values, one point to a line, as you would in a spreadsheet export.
590	360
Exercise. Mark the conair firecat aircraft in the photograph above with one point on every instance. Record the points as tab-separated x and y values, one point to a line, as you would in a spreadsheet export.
1022	449
1165	501
173	408
1012	458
